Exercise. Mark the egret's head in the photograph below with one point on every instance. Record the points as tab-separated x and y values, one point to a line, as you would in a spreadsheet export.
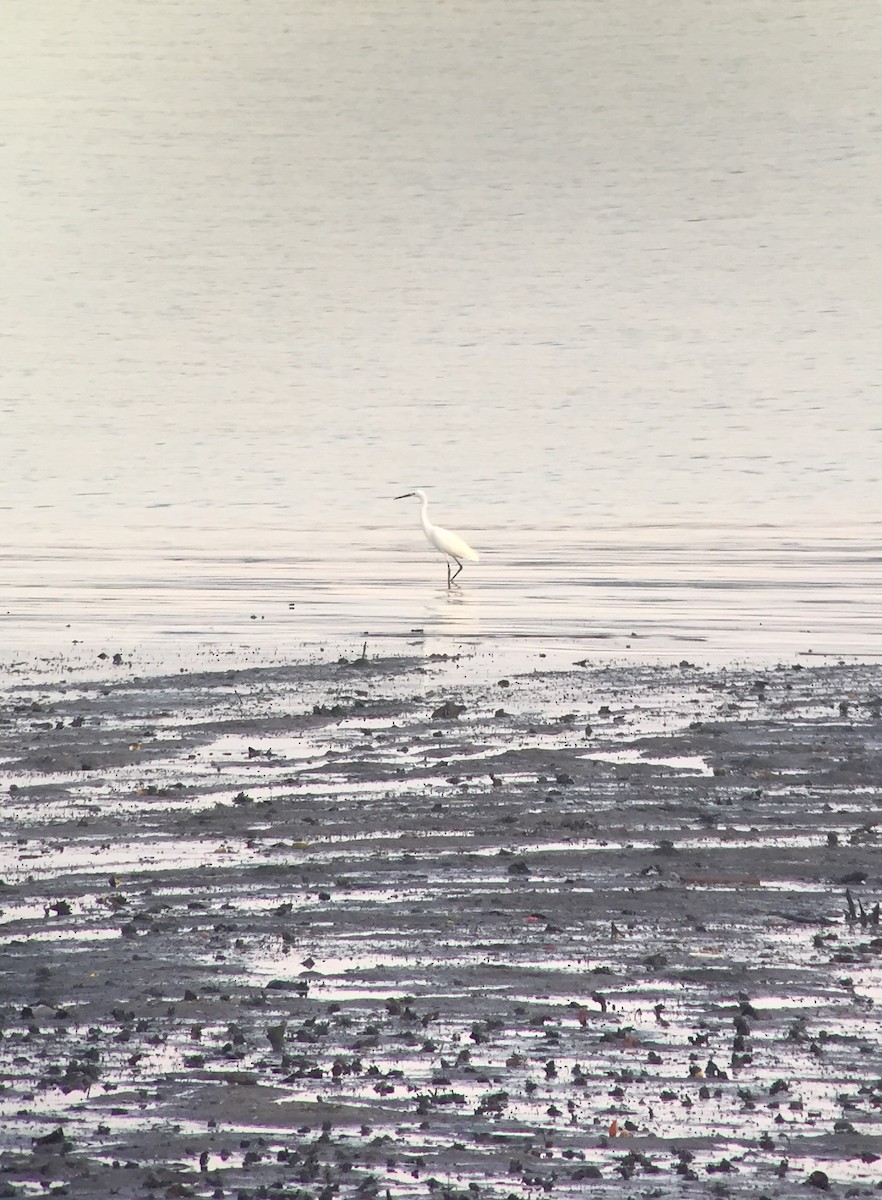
419	493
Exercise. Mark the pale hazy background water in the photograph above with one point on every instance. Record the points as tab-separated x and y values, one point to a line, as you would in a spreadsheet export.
604	275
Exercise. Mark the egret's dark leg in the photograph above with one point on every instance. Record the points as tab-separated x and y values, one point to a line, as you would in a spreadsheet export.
450	578
448	573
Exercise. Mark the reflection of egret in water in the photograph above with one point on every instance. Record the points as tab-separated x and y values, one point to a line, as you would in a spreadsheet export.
452	614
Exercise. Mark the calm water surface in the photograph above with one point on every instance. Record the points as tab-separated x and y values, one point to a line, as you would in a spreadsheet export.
606	278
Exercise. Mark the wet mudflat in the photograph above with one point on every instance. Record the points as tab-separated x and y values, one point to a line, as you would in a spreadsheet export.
369	928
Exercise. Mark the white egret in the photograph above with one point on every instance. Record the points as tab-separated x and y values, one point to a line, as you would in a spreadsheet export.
448	543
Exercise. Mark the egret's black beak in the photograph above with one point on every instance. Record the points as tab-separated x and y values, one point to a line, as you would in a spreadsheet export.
404	496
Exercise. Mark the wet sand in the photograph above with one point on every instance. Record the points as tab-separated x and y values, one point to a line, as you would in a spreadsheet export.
374	927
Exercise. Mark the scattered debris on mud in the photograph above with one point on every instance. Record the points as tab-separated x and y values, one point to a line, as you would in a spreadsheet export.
367	929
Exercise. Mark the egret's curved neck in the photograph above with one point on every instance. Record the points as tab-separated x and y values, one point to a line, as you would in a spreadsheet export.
424	514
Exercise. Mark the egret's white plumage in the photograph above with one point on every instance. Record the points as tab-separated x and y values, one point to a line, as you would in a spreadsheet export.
448	543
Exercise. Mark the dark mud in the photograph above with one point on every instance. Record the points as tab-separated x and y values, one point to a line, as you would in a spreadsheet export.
284	933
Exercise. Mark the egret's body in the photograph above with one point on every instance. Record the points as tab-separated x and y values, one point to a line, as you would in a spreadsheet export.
448	543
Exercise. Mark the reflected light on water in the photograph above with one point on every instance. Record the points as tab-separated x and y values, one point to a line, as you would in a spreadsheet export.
635	593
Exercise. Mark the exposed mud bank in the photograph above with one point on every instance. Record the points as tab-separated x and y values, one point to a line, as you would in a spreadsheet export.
287	933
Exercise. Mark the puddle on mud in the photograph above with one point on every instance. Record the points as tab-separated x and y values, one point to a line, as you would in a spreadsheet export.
693	764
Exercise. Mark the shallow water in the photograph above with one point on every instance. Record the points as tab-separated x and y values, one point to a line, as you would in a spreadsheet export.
605	278
706	595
